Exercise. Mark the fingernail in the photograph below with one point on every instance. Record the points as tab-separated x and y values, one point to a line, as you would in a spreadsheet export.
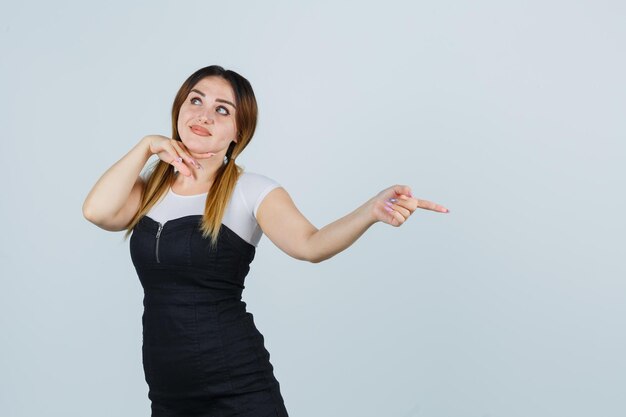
393	200
388	209
179	159
388	204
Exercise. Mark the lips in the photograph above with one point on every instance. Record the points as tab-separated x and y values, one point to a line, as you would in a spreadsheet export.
200	131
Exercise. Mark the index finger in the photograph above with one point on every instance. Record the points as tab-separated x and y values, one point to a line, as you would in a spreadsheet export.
201	155
194	154
429	205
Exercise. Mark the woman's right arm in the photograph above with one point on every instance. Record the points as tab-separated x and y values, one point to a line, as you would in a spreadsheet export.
115	199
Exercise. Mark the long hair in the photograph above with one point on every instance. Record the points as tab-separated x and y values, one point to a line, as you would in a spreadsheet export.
162	173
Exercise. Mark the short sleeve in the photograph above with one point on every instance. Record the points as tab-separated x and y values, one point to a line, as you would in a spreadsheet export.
145	174
255	188
264	193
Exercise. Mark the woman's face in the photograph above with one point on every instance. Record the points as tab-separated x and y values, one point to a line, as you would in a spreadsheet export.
206	122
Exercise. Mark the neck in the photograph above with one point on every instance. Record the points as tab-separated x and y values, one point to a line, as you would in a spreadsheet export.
206	174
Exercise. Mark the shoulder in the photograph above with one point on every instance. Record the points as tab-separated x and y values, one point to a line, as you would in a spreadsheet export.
252	182
254	188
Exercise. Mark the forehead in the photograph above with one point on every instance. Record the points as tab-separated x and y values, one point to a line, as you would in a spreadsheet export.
216	87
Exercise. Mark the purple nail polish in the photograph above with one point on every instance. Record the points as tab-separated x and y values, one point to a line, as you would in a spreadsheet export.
388	209
393	200
388	204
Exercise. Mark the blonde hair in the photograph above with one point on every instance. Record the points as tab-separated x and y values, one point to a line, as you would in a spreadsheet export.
162	173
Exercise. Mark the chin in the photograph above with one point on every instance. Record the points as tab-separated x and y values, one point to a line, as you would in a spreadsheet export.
193	145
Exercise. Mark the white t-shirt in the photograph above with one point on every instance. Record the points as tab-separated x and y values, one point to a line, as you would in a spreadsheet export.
240	214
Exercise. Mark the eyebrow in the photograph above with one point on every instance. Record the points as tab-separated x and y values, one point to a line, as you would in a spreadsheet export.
221	100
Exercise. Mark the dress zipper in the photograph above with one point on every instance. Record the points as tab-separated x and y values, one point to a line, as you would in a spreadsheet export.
157	242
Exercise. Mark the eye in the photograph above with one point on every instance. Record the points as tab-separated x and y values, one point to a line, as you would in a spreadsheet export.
224	112
195	100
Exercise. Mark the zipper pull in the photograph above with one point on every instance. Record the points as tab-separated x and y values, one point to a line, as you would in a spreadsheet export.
157	242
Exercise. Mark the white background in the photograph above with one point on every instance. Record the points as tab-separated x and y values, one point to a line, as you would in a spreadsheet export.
509	113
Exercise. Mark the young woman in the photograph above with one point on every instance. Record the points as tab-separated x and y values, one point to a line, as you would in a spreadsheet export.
196	220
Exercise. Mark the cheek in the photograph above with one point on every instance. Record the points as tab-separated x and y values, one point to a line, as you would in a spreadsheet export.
233	127
183	116
226	127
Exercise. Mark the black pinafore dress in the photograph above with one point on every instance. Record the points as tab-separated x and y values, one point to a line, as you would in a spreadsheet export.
202	353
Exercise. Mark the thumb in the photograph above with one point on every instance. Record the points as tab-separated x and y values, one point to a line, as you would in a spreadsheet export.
402	189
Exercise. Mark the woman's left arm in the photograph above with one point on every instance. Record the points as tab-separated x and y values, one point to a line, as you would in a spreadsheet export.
288	229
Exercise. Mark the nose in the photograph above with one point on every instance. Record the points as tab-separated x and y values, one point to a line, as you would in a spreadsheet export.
204	118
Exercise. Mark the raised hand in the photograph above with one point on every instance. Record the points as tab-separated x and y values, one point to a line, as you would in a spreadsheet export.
395	204
174	152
